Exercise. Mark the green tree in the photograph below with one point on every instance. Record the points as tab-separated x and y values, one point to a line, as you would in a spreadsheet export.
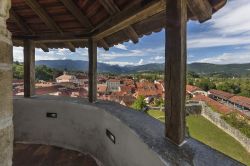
44	73
206	84
17	70
139	103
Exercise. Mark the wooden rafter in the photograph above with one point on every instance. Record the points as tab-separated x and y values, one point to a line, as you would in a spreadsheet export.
201	9
35	6
129	17
113	9
78	14
26	29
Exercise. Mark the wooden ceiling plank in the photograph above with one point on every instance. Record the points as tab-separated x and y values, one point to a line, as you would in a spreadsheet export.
201	9
78	14
113	9
20	22
129	17
25	28
37	8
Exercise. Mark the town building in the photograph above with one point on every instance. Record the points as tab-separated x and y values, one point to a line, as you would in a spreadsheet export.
67	78
193	91
113	85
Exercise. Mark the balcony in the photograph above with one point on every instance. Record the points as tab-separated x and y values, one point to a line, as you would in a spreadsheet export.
113	134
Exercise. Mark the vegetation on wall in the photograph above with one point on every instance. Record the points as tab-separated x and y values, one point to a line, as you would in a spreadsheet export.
238	122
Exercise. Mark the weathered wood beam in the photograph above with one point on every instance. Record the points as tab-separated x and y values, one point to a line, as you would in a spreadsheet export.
113	9
70	46
201	9
92	49
37	8
104	44
20	22
43	47
78	14
175	71
29	68
26	29
128	17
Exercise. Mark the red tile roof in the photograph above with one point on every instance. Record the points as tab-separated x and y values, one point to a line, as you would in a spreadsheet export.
221	108
243	101
221	94
191	88
101	88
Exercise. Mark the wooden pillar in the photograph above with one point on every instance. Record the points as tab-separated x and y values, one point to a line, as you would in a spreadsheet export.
29	68
92	49
175	70
6	101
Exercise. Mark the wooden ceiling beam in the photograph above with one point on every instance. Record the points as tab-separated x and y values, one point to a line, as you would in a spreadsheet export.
26	29
104	44
128	17
113	9
78	14
201	9
43	47
70	46
37	8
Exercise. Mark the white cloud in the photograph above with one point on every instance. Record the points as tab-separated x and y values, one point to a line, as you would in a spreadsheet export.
227	58
121	46
119	63
229	26
159	58
214	41
233	18
140	62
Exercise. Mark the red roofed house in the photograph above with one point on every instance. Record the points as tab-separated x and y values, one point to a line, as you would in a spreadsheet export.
192	91
66	78
101	89
219	95
147	89
240	102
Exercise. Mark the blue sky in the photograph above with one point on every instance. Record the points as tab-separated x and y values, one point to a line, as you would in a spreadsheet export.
222	40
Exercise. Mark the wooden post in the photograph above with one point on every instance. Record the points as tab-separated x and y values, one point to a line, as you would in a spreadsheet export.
92	48
29	68
175	70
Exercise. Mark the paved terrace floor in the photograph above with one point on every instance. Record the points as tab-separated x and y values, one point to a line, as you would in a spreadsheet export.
43	155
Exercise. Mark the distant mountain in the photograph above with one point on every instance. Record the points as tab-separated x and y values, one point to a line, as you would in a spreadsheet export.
200	68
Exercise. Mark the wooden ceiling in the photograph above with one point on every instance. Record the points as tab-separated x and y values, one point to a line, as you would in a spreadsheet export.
69	23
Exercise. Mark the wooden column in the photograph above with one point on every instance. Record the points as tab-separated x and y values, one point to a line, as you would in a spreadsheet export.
175	70
29	68
92	48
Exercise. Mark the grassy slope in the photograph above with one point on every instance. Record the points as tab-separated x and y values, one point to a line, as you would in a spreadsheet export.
206	132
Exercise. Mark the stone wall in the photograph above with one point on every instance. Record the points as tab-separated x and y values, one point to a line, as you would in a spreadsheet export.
6	125
215	118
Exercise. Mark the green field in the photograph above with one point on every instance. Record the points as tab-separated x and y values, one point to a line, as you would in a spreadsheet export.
206	132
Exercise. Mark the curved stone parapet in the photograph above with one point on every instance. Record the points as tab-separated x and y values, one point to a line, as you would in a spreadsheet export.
135	138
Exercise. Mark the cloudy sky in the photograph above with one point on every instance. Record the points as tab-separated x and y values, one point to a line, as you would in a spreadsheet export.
221	40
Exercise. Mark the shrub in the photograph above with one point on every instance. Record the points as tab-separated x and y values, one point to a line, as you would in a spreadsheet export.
238	122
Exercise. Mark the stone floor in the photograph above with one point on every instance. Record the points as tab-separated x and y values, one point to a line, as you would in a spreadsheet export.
43	155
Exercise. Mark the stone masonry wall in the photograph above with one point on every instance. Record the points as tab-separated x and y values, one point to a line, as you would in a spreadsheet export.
214	117
6	110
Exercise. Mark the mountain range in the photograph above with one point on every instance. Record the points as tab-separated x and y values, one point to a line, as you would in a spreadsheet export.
200	68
